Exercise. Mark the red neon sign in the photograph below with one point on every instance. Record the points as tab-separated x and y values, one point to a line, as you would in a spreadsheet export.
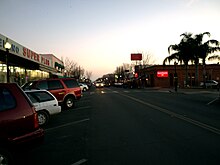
162	73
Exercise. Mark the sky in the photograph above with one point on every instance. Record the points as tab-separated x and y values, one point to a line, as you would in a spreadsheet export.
100	35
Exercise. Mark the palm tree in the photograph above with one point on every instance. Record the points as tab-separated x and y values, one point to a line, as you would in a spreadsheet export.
203	50
182	53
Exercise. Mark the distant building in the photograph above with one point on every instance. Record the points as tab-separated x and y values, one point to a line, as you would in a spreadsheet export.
163	75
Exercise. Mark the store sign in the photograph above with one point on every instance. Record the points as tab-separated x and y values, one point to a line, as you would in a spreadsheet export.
15	48
136	57
162	73
27	53
31	55
24	52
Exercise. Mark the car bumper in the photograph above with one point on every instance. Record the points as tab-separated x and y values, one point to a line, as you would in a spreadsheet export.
29	139
55	110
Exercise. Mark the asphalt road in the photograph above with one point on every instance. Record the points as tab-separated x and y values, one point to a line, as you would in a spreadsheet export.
116	126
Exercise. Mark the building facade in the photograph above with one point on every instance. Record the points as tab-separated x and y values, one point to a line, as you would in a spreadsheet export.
164	75
24	64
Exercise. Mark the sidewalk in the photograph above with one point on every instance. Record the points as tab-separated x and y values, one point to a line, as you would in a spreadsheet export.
194	90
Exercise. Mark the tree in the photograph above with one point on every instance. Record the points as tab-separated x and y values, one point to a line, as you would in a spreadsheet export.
70	66
181	52
192	48
88	74
72	69
207	48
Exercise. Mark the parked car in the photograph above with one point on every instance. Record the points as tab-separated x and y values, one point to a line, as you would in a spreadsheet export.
83	87
45	104
18	122
66	90
209	84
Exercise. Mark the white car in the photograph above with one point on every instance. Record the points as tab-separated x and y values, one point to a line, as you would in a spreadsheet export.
83	87
209	84
45	104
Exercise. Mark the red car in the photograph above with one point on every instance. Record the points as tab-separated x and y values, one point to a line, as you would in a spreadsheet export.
18	121
66	90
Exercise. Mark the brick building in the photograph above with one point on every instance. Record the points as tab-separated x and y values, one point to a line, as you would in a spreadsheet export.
163	75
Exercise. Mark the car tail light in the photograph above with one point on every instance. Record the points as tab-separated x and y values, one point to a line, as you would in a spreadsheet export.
36	124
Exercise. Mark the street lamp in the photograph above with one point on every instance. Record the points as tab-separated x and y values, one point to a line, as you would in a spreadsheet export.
175	76
7	46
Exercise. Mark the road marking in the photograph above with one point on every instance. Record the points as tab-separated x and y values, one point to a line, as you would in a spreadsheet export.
80	162
86	107
187	119
67	124
213	100
126	91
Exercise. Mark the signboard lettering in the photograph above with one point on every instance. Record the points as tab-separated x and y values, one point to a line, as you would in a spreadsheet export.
162	73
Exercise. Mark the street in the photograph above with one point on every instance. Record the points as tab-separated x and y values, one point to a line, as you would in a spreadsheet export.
114	126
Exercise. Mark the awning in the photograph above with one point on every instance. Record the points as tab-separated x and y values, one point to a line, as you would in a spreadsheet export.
47	68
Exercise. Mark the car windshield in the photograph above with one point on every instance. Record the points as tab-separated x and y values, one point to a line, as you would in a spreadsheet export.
151	69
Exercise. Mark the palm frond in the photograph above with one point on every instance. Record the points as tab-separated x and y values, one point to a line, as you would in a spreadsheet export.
214	57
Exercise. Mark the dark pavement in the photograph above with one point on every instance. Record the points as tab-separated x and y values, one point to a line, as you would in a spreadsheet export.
116	126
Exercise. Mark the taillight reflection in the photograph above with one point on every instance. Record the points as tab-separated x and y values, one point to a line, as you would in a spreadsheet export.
36	124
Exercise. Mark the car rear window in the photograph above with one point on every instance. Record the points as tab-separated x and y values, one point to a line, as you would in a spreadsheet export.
71	83
39	96
7	100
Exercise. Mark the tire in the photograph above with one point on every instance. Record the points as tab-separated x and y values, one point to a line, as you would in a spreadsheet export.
5	157
43	118
84	89
69	102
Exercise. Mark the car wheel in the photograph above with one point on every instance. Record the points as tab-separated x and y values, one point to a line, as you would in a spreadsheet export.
5	157
69	102
43	118
84	89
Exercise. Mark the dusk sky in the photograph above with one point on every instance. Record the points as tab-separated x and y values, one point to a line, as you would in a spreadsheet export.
100	35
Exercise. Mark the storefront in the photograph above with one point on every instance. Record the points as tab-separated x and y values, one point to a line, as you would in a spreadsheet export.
24	64
166	75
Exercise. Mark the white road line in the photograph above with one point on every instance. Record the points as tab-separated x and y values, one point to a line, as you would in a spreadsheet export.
126	91
80	162
173	114
86	107
213	100
67	124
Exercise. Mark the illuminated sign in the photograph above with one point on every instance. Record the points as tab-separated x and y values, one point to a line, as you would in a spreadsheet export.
162	73
136	75
136	57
